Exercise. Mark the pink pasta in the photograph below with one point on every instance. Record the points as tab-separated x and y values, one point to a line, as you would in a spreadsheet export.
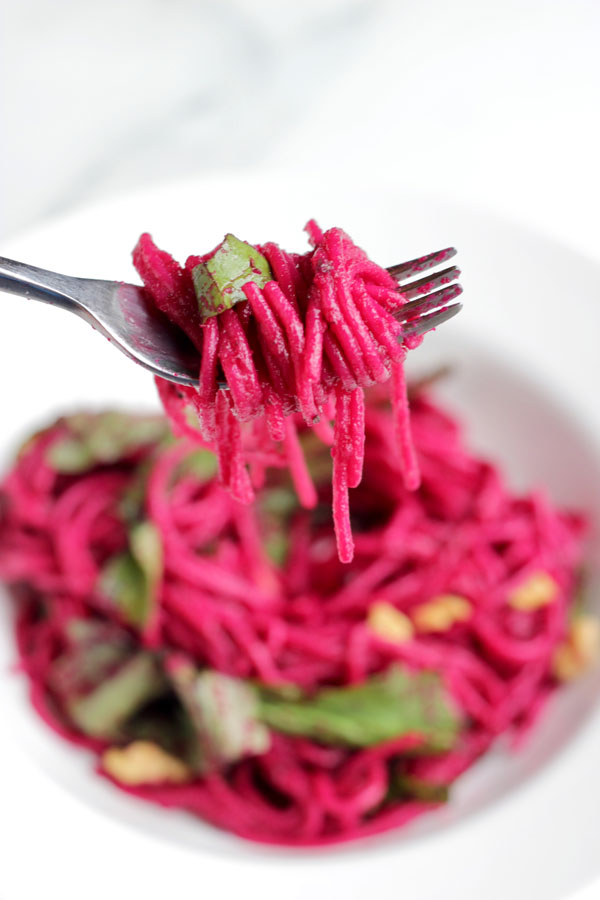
307	342
225	602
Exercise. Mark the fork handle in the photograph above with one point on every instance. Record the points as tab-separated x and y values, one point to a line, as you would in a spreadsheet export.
38	284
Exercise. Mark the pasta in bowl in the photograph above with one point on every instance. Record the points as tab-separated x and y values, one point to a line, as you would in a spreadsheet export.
229	659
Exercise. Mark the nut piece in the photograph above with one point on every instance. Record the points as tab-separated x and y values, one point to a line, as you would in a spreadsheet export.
389	623
580	651
143	762
441	613
538	590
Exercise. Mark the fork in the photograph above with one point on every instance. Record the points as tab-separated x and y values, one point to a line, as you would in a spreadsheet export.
120	311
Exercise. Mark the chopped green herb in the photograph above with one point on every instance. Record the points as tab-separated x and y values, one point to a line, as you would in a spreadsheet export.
276	506
71	456
199	464
122	581
96	650
419	789
384	707
132	579
277	547
82	632
102	712
100	679
279	501
165	722
219	279
132	502
223	711
579	602
147	550
102	439
317	456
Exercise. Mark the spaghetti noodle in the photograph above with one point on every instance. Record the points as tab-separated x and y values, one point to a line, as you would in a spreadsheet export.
312	331
220	659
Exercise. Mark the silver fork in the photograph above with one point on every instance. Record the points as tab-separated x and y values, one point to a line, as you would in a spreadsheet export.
120	311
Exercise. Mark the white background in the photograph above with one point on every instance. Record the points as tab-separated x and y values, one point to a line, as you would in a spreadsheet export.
493	102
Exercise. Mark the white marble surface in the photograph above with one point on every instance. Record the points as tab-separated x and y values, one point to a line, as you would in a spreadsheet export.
493	101
97	97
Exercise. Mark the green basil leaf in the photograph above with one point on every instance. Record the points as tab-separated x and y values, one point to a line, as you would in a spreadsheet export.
132	579
70	456
95	650
133	498
277	546
165	722
200	464
101	679
103	439
102	712
419	789
123	583
223	712
218	280
386	706
147	550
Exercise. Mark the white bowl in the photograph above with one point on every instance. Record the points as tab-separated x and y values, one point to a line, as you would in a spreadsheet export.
525	375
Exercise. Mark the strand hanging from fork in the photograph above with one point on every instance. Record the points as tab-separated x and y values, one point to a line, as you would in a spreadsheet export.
297	355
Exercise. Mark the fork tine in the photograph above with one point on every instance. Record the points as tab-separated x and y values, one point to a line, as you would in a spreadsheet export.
415	308
426	285
427	323
422	263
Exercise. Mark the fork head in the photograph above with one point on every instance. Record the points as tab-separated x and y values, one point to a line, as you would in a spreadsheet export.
429	298
167	352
